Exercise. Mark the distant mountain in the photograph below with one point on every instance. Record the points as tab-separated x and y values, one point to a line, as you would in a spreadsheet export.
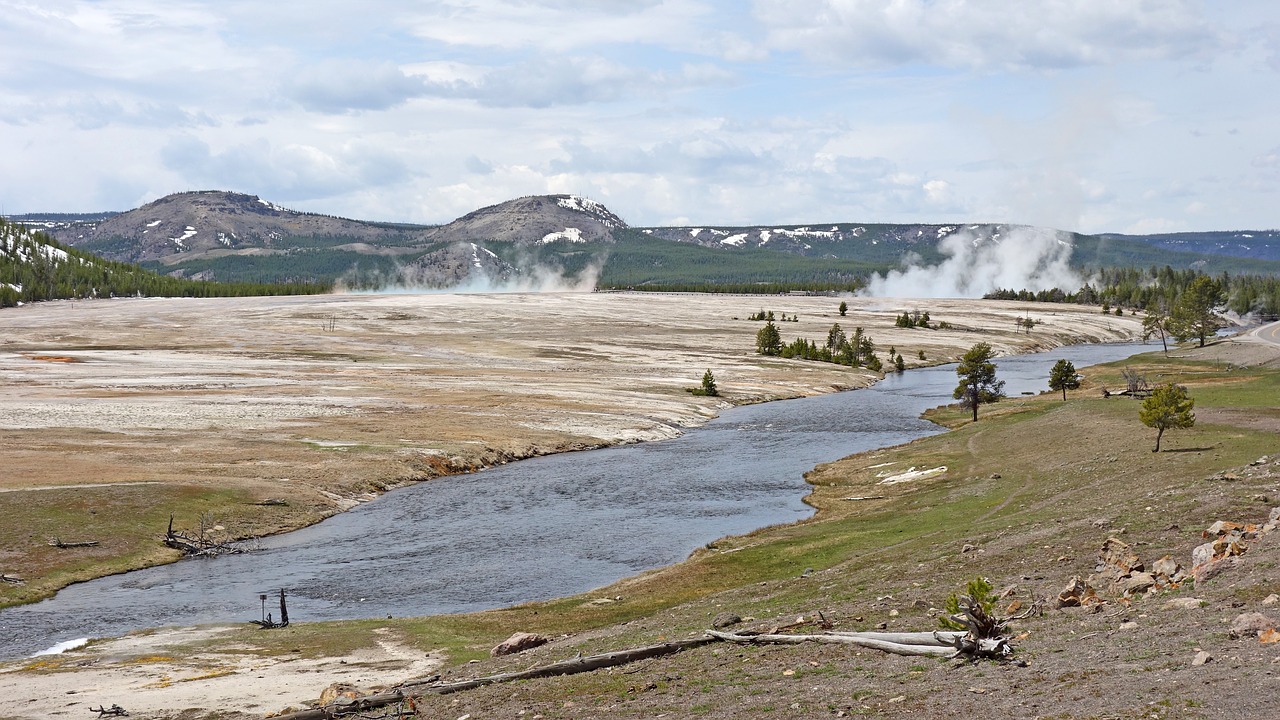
196	224
34	267
1260	244
216	235
237	237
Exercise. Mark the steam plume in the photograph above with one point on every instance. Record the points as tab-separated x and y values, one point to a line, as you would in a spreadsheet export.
537	278
1020	258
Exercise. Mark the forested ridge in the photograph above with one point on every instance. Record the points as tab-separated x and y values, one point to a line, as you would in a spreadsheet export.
33	266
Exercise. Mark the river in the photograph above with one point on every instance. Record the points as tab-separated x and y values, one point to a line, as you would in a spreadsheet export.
532	530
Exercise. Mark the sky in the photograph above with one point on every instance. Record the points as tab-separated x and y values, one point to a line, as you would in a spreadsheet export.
1135	116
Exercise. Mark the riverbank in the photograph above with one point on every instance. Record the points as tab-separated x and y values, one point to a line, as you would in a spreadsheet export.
116	414
1027	520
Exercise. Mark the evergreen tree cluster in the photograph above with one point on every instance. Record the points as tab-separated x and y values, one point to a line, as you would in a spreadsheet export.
857	350
1160	287
34	267
914	319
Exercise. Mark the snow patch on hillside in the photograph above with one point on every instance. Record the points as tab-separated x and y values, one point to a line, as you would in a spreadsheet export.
273	206
735	240
590	207
186	235
570	234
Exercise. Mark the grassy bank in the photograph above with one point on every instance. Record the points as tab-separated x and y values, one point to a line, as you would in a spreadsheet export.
1029	494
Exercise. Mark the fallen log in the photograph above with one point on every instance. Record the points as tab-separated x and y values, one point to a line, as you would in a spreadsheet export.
13	579
936	649
572	666
938	637
62	545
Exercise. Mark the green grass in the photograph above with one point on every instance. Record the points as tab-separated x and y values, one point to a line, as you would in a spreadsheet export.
129	521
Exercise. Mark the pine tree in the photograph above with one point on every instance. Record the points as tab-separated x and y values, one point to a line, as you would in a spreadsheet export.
1063	376
978	383
1169	408
709	384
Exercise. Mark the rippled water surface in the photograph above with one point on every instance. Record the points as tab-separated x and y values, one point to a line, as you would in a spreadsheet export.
531	530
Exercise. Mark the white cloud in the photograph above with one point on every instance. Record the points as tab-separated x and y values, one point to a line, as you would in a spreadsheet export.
1083	115
989	33
558	80
343	85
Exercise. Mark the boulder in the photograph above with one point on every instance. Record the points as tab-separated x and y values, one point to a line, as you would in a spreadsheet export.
1138	583
519	642
339	691
1166	567
1251	625
1117	554
1070	595
1222	527
1185	603
1214	568
1202	554
725	619
1202	658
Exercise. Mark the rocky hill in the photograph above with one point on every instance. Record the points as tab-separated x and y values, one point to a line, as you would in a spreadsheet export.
215	235
534	220
195	223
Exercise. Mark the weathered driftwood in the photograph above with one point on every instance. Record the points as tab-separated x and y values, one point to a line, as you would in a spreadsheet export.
986	636
199	545
13	579
410	689
935	649
63	545
937	637
113	711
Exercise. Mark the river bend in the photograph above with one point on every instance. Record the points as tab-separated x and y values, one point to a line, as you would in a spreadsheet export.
532	530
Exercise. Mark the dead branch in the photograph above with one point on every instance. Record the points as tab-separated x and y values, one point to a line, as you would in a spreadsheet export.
61	545
202	544
13	579
114	710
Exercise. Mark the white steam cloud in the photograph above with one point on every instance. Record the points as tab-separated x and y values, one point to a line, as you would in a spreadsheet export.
535	279
1020	258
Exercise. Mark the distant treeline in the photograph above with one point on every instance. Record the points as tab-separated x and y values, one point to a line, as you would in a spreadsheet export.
1159	288
35	267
